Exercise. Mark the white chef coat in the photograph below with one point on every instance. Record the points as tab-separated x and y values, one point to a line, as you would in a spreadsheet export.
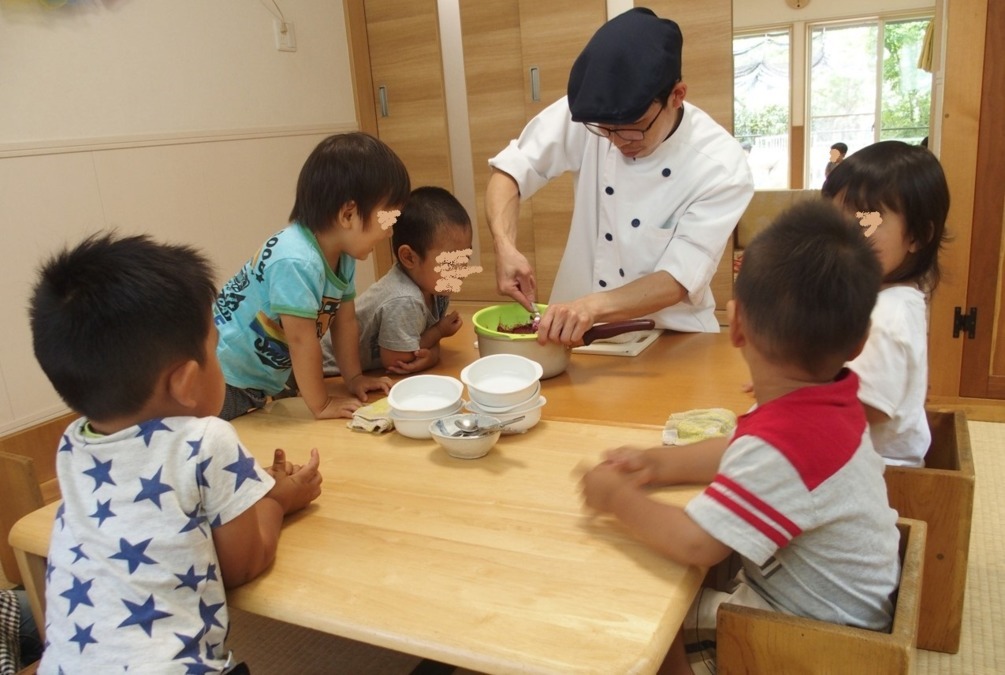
673	210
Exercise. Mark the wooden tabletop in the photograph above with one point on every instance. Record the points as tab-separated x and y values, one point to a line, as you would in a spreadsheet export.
488	564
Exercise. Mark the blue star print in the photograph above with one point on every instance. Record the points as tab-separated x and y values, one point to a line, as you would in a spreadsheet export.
153	488
211	572
190	646
79	551
83	636
196	446
103	512
243	468
143	615
189	580
134	555
149	428
60	512
198	668
77	594
195	520
200	473
101	473
208	614
67	446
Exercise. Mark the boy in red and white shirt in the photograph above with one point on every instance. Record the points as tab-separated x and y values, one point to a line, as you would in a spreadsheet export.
798	490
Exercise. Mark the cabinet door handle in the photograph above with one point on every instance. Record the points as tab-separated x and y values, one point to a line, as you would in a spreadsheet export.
535	84
382	97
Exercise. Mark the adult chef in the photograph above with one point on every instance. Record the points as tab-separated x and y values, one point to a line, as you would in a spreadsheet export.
659	187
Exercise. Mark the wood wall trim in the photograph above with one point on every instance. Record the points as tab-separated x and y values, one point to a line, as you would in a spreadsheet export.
65	146
797	157
989	197
964	69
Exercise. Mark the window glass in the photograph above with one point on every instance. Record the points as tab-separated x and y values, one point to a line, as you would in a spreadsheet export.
842	92
761	85
907	89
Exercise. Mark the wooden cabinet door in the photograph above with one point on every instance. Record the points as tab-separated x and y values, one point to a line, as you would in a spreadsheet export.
502	41
407	72
983	368
553	34
408	93
493	74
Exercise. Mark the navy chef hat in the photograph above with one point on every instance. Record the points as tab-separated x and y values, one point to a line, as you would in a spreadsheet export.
627	63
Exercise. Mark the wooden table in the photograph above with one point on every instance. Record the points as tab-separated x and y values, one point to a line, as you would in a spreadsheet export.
679	371
488	564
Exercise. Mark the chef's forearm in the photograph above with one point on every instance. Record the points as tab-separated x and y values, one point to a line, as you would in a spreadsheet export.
646	295
502	208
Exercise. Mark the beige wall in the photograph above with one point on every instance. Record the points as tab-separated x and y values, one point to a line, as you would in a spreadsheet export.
173	117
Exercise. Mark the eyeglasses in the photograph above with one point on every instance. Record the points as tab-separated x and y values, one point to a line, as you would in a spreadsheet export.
624	134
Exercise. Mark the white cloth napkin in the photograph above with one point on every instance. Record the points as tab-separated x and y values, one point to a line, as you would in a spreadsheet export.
691	426
373	418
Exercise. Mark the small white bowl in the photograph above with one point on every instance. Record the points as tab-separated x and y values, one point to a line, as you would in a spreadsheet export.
425	396
531	415
501	380
464	447
522	405
413	427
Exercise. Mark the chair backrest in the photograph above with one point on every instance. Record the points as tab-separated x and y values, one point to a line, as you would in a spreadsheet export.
20	494
757	641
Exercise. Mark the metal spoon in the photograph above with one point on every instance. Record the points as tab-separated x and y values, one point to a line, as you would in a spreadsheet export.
470	427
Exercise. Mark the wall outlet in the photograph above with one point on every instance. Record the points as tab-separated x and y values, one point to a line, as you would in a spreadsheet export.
286	36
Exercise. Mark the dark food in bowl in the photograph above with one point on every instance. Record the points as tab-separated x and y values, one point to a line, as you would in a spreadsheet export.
528	328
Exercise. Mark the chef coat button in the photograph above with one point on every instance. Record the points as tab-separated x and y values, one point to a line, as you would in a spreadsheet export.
609	237
609	190
603	284
666	173
621	272
636	222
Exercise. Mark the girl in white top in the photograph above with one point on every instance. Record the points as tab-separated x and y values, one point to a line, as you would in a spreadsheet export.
899	195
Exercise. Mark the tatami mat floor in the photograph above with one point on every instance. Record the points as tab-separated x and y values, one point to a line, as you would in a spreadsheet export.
275	648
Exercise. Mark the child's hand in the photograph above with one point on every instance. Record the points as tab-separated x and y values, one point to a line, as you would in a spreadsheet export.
296	486
601	483
423	359
450	324
361	384
338	406
634	461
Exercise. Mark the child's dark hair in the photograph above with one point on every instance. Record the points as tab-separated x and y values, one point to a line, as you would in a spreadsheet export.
807	287
906	179
353	167
427	209
111	314
840	147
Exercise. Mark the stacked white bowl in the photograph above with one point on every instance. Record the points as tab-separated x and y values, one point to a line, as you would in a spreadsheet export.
420	399
505	386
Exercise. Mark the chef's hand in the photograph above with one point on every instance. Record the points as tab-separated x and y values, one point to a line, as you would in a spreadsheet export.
515	278
565	323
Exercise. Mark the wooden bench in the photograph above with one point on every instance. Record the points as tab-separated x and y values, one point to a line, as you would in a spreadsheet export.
757	641
942	495
27	479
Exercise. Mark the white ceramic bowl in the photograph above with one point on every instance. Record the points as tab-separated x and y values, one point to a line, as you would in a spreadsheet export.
425	396
418	427
502	380
464	447
531	415
502	409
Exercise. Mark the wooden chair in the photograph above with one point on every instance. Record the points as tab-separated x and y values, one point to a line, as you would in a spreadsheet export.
942	495
27	480
757	641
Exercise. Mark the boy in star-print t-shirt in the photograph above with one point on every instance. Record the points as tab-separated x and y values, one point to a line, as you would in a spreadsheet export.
163	508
